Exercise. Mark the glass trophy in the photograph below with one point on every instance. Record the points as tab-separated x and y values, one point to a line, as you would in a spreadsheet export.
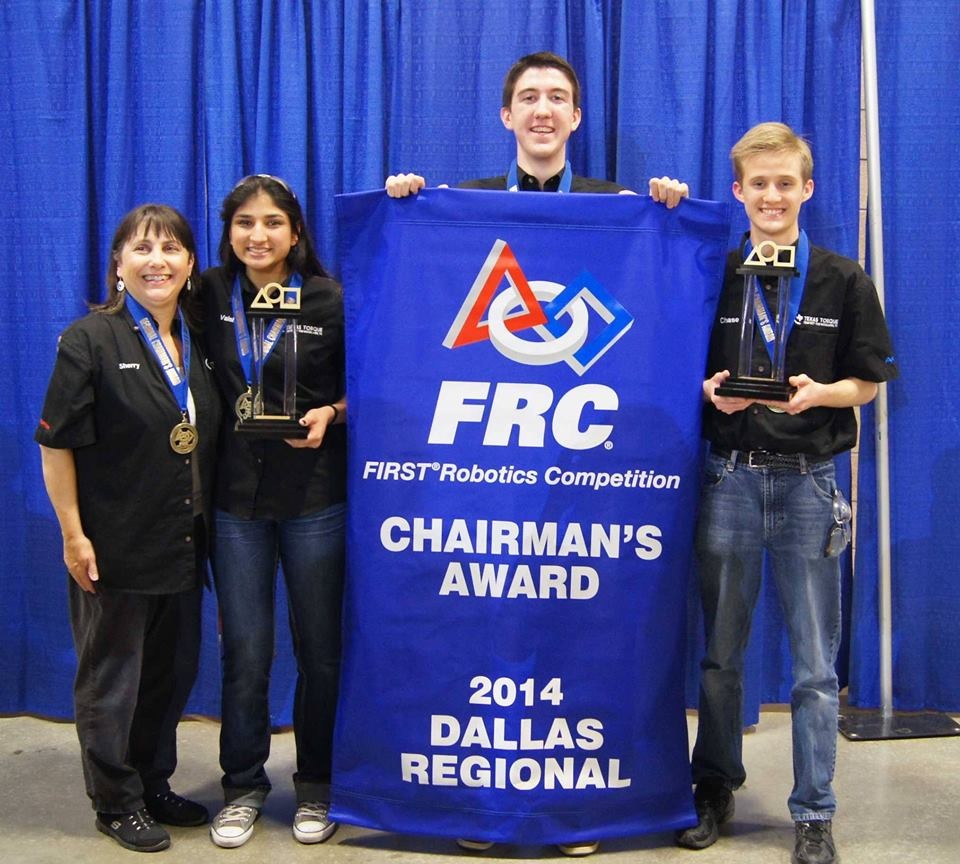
760	374
272	316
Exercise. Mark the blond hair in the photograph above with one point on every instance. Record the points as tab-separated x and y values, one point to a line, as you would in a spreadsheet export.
767	138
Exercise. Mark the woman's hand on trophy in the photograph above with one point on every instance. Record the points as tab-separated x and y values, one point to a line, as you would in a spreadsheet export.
316	420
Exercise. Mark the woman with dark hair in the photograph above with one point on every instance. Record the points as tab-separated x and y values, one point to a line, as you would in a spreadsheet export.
127	442
278	501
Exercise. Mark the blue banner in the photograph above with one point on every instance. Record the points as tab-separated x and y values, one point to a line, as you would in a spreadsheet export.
524	376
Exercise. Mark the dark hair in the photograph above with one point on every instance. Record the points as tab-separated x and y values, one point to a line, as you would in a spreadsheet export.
165	222
302	257
540	60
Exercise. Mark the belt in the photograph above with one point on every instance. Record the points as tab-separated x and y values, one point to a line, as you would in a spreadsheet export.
766	459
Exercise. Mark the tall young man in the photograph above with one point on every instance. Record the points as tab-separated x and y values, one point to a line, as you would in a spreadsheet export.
770	487
541	106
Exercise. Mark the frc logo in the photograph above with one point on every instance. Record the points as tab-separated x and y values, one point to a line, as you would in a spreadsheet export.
523	408
540	306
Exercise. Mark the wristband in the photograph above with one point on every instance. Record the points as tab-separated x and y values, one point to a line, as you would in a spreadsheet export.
336	414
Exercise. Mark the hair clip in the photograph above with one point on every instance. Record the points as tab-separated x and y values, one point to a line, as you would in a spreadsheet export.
278	180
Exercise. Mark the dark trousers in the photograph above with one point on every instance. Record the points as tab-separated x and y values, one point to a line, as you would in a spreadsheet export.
137	657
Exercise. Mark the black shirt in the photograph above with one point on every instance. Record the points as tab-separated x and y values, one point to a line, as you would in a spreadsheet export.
110	403
529	183
269	479
840	333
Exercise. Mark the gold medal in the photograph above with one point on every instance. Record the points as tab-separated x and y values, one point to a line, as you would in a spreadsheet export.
244	405
183	438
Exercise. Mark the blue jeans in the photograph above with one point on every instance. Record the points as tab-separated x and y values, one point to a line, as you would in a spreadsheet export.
788	513
245	557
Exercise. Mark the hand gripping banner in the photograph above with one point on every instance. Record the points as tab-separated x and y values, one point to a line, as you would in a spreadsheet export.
524	385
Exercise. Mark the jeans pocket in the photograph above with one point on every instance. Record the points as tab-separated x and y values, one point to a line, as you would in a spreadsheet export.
713	472
824	479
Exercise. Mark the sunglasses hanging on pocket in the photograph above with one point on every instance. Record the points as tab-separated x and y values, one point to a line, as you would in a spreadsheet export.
841	530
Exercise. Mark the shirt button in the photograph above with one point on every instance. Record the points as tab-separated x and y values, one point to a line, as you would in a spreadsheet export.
186	461
756	410
186	501
188	539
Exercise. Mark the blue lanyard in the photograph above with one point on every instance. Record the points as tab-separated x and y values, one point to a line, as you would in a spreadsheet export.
797	283
178	384
242	332
566	179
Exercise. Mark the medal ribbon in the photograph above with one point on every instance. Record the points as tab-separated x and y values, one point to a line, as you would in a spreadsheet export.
178	384
566	179
242	332
797	283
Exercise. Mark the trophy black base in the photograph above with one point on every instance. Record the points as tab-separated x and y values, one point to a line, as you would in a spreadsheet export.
279	427
756	388
859	724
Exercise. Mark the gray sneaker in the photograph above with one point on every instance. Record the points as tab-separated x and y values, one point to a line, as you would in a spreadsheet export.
233	825
580	849
814	843
474	845
312	823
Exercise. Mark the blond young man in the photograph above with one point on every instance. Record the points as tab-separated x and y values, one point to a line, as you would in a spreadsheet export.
770	488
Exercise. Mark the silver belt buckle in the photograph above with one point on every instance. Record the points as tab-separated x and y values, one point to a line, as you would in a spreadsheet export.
750	462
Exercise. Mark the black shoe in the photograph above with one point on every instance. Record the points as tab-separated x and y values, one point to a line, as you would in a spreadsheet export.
814	843
136	831
714	803
170	809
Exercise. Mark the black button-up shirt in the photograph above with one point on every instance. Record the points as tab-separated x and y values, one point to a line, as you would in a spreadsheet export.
840	333
265	478
529	183
110	403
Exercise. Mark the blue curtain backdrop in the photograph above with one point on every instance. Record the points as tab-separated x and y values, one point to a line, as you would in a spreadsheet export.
109	104
919	130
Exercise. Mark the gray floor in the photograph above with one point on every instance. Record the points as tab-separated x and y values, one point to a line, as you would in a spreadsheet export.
899	803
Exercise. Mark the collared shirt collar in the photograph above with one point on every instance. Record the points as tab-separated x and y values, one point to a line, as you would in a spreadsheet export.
529	183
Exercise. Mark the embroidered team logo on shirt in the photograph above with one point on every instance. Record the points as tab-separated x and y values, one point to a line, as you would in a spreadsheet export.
817	322
309	329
